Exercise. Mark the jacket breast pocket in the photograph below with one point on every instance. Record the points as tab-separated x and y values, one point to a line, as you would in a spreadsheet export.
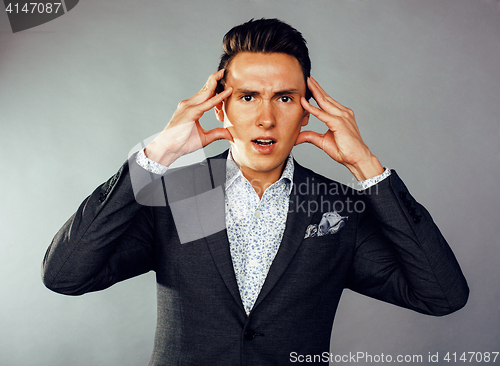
319	261
331	240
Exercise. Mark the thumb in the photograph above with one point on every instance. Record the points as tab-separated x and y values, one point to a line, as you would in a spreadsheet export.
311	137
217	134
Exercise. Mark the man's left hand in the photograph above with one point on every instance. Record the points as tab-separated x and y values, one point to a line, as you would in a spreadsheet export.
342	142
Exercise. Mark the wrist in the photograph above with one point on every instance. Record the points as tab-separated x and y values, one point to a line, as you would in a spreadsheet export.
366	169
160	152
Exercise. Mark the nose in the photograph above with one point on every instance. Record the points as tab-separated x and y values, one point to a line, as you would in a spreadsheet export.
266	118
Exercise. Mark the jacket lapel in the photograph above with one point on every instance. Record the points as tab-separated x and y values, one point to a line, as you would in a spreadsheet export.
297	221
218	243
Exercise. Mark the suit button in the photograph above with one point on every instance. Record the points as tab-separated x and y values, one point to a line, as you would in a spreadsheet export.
249	334
416	219
412	211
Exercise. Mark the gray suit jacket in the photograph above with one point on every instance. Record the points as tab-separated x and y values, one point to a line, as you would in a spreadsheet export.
389	249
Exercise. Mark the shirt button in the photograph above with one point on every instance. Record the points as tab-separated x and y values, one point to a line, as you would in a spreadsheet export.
252	263
257	213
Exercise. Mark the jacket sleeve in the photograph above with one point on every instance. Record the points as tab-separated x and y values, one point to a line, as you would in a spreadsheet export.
108	239
401	256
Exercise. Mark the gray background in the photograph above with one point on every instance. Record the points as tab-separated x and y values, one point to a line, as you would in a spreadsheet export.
76	94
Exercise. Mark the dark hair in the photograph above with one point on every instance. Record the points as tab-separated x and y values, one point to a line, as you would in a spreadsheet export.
266	36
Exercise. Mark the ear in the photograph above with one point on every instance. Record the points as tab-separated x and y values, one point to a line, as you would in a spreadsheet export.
305	118
219	111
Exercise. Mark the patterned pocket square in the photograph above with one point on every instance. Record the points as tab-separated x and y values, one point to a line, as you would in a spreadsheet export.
330	223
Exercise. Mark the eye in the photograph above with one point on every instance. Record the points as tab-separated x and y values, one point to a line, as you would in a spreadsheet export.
247	98
285	99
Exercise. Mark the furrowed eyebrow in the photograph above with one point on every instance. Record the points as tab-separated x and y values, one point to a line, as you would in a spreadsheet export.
246	92
277	94
286	92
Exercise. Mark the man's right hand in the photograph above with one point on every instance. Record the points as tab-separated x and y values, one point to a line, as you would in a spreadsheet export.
184	134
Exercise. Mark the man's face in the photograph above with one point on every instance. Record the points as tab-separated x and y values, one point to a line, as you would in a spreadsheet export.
263	114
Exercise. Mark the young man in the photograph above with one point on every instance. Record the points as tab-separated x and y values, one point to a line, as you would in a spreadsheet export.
252	250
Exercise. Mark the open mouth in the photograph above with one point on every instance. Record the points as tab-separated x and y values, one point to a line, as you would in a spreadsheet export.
262	142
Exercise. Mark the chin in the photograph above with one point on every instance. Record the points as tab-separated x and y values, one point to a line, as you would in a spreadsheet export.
270	165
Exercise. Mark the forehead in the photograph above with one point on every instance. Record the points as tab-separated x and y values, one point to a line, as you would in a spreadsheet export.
254	70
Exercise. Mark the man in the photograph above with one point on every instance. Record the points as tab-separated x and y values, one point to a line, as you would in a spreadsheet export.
252	250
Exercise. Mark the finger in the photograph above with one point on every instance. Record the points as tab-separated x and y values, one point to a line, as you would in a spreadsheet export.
189	113
212	80
330	120
216	99
311	137
309	107
208	89
217	134
316	85
321	97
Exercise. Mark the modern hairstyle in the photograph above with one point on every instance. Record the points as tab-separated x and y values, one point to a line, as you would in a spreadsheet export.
265	36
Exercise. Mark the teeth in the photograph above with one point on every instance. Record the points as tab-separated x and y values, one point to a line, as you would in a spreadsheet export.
264	142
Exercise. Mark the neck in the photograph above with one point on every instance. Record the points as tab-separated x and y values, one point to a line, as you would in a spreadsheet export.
260	181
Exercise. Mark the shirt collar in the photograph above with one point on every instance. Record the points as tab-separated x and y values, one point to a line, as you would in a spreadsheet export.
233	171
